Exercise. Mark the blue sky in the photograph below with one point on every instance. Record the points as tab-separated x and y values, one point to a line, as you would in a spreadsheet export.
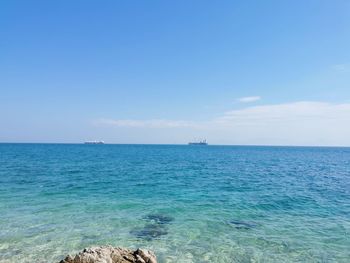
172	71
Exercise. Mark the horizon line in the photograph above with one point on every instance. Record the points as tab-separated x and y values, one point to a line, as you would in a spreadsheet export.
186	144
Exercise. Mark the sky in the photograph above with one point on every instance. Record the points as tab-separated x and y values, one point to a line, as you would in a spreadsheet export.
234	72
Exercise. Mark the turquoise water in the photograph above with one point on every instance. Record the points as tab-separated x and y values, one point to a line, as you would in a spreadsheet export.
187	203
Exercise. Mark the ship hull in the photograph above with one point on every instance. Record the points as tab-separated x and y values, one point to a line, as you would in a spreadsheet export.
197	143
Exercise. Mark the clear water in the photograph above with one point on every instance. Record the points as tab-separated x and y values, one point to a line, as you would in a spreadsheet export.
187	203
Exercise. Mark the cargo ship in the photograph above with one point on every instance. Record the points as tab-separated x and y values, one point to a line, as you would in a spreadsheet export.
94	142
202	142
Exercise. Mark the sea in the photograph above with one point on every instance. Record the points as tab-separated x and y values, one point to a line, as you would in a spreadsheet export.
186	203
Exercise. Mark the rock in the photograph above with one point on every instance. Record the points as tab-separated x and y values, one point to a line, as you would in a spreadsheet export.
108	254
243	224
150	232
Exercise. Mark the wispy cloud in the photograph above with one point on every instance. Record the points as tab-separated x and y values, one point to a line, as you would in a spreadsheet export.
289	113
344	68
153	123
295	123
249	99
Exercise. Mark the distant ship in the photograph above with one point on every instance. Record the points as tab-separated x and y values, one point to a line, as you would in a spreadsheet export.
203	142
94	142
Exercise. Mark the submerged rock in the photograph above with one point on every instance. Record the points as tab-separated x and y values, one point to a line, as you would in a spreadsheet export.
155	228
243	224
108	254
159	218
149	232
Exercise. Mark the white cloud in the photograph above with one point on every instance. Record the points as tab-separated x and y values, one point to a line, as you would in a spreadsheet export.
344	68
249	99
154	123
295	123
289	112
296	111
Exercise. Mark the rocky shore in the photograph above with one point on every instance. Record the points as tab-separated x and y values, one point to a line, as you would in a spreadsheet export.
109	254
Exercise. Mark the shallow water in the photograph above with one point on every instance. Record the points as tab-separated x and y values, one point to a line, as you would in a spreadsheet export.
187	203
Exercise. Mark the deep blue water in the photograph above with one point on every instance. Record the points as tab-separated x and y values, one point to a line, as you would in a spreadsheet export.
187	203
